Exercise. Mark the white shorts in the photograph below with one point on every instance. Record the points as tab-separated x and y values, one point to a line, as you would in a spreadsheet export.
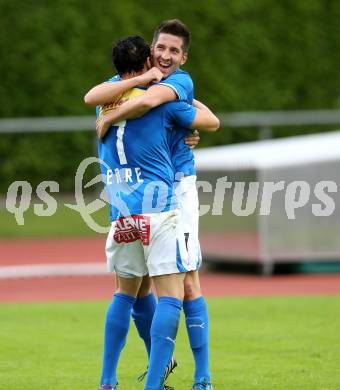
151	244
187	197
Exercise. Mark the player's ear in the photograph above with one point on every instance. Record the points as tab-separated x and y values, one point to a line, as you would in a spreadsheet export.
148	63
184	58
151	56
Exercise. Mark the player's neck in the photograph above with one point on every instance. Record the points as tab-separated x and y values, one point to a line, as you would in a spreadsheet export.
127	76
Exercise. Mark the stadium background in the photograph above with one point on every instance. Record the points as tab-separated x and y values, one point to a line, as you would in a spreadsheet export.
245	56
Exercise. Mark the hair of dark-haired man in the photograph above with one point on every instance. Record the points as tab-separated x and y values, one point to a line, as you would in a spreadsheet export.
130	54
173	27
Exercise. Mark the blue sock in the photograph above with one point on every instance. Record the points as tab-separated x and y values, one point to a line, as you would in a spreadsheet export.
116	329
142	313
197	321
163	335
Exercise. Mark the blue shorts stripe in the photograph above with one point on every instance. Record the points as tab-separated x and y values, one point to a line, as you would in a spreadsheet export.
179	262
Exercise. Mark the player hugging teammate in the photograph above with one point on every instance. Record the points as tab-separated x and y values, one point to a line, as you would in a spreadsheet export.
144	116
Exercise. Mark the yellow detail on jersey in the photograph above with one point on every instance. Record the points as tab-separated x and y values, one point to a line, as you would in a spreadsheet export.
130	94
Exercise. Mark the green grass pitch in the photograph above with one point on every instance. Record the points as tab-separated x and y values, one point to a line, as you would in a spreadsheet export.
64	223
256	343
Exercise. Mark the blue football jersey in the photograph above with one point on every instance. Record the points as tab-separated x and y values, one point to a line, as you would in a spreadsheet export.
136	160
181	155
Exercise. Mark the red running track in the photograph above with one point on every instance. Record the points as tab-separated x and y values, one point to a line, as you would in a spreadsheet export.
75	288
52	251
63	288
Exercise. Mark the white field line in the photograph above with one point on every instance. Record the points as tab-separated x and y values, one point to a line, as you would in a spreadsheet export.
43	270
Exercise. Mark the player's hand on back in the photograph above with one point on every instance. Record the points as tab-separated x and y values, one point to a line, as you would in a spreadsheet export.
153	75
102	125
192	139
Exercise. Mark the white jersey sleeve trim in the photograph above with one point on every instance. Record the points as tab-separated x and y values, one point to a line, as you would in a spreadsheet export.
173	88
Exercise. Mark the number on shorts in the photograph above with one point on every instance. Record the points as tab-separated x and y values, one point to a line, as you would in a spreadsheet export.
186	235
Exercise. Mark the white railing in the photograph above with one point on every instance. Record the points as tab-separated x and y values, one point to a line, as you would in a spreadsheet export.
262	120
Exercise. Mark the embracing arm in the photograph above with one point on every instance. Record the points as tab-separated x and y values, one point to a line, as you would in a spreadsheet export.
106	92
136	107
205	119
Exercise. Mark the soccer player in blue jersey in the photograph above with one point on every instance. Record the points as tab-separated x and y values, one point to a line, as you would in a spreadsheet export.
170	51
146	236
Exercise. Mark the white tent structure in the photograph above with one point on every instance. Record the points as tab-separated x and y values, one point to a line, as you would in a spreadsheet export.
271	201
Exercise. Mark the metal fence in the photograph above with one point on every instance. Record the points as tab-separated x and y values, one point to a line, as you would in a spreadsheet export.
261	120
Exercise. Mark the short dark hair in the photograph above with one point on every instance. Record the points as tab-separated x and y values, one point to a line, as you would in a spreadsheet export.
130	54
173	27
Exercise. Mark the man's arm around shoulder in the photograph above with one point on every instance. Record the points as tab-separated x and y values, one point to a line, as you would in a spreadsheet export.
205	119
139	106
106	92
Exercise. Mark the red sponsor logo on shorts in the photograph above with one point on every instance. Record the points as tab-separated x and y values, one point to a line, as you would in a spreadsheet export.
136	227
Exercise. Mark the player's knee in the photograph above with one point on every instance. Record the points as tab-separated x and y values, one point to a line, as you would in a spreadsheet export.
127	291
172	291
192	288
128	286
181	294
145	287
143	292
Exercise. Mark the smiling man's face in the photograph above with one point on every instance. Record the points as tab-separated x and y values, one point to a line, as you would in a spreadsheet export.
168	54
